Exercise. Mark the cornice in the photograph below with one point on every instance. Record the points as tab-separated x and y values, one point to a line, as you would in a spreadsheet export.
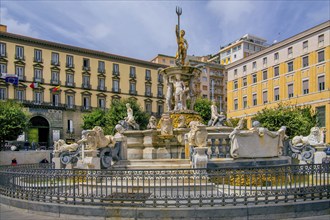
69	48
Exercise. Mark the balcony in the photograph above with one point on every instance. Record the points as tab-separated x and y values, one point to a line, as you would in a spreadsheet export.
69	65
70	107
148	78
116	90
21	78
38	60
70	84
3	55
115	73
55	63
148	94
86	68
55	82
101	70
160	95
132	75
39	80
20	57
132	92
86	86
102	88
86	108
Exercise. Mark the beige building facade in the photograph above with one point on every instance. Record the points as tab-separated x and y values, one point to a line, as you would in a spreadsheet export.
59	83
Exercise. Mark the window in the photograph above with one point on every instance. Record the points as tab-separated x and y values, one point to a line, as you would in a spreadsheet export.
132	88
101	85
290	66
148	107
244	102
37	97
254	99
55	98
115	69
254	78
160	78
320	56
305	61
3	52
235	72
70	126
277	94
148	75
204	79
244	69
86	81
244	81
265	97
69	79
276	71
19	95
37	55
148	90
320	81
19	52
235	104
3	68
69	101
306	86
101	102
204	88
290	52
38	75
55	59
276	56
235	84
160	91
321	40
264	75
290	90
264	61
86	64
115	85
305	46
101	67
69	61
132	72
321	116
86	103
3	92
55	77
254	65
160	108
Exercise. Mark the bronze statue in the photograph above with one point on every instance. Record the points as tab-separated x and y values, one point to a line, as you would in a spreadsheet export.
182	43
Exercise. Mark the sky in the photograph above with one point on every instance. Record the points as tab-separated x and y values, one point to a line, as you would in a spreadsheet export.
143	29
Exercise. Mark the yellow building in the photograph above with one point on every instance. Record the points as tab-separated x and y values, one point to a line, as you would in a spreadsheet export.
295	71
87	79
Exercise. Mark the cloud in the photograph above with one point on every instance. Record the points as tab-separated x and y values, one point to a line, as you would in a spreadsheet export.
16	26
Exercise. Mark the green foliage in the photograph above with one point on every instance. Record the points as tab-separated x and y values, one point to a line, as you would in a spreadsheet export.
203	107
14	120
95	118
110	118
298	120
233	122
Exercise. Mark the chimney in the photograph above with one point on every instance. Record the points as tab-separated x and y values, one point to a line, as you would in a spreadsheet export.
3	28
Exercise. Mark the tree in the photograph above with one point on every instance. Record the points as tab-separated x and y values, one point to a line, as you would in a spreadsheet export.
203	107
298	120
110	118
95	118
14	120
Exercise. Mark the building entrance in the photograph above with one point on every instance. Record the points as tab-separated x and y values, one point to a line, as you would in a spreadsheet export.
39	132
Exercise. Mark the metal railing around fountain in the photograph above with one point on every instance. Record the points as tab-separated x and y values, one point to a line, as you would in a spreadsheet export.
167	188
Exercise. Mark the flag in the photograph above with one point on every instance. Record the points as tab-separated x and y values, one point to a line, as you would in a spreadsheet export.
13	79
34	85
56	88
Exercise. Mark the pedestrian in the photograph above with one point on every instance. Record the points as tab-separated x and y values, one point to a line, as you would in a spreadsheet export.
14	162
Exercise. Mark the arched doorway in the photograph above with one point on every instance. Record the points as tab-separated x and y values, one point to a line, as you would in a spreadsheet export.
39	131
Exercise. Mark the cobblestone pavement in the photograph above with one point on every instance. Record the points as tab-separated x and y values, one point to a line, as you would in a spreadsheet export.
11	213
